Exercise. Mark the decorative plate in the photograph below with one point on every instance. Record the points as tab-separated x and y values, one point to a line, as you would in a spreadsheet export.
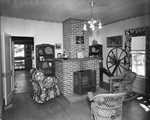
48	50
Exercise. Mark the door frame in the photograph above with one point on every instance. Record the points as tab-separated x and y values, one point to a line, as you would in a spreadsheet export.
1	82
26	41
7	68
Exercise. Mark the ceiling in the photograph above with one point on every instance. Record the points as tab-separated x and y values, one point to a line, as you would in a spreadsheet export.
108	11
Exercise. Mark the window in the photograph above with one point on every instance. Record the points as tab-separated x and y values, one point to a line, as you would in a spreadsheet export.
19	50
19	55
138	55
138	62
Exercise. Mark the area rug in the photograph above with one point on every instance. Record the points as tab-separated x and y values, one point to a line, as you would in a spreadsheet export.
72	97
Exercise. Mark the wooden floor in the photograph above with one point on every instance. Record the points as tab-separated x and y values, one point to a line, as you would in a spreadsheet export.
22	81
60	109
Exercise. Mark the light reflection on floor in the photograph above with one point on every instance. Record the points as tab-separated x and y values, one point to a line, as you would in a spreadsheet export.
144	103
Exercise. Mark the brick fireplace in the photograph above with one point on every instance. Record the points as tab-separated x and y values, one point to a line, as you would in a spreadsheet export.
84	81
71	29
64	69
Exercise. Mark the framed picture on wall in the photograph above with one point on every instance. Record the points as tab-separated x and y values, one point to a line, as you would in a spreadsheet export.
58	55
79	39
80	55
58	46
115	41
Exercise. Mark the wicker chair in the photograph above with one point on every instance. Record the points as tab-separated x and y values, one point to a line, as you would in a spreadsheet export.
106	106
123	82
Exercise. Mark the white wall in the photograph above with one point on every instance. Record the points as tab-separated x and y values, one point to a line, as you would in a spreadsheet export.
48	32
118	28
43	32
95	35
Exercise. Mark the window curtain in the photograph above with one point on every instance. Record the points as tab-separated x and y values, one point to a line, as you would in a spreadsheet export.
138	43
142	31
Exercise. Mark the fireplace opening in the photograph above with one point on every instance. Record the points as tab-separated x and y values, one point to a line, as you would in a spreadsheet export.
84	81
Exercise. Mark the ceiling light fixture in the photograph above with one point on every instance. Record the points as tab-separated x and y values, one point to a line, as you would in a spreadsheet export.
92	23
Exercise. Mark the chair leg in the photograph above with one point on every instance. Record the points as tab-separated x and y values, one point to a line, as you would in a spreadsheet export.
110	87
92	115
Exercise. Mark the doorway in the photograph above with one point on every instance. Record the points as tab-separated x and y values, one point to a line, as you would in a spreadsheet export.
23	62
19	56
23	52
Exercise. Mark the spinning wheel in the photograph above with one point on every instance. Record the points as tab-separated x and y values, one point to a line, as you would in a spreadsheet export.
117	61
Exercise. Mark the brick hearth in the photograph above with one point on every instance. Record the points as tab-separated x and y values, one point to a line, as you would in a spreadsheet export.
65	69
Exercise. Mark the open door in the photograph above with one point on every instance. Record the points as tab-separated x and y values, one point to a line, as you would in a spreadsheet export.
7	68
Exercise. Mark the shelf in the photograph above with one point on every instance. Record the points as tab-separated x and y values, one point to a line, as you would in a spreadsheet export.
45	58
46	61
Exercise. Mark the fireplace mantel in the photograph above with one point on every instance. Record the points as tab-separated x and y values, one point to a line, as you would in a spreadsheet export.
76	59
64	71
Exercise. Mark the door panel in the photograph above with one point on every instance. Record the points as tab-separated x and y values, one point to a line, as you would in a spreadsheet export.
13	65
28	57
7	68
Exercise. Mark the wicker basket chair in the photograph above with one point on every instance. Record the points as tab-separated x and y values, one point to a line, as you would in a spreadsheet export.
123	82
106	106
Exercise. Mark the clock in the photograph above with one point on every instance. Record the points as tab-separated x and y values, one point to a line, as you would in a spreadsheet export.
95	50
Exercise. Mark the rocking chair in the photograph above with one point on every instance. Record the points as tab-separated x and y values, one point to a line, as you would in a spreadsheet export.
123	83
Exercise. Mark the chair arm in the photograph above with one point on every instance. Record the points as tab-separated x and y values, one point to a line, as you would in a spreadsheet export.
106	107
126	82
118	76
90	96
115	78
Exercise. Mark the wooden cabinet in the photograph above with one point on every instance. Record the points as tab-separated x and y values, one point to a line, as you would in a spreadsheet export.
96	50
84	81
28	56
45	58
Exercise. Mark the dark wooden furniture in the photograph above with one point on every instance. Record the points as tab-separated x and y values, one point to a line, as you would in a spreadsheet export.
96	50
45	55
28	56
84	81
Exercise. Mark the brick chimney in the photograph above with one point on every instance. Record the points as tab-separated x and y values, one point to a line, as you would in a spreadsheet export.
71	29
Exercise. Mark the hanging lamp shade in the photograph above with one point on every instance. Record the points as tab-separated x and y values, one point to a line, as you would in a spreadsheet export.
92	23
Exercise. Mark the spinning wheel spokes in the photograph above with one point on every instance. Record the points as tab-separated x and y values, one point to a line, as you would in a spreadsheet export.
117	61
